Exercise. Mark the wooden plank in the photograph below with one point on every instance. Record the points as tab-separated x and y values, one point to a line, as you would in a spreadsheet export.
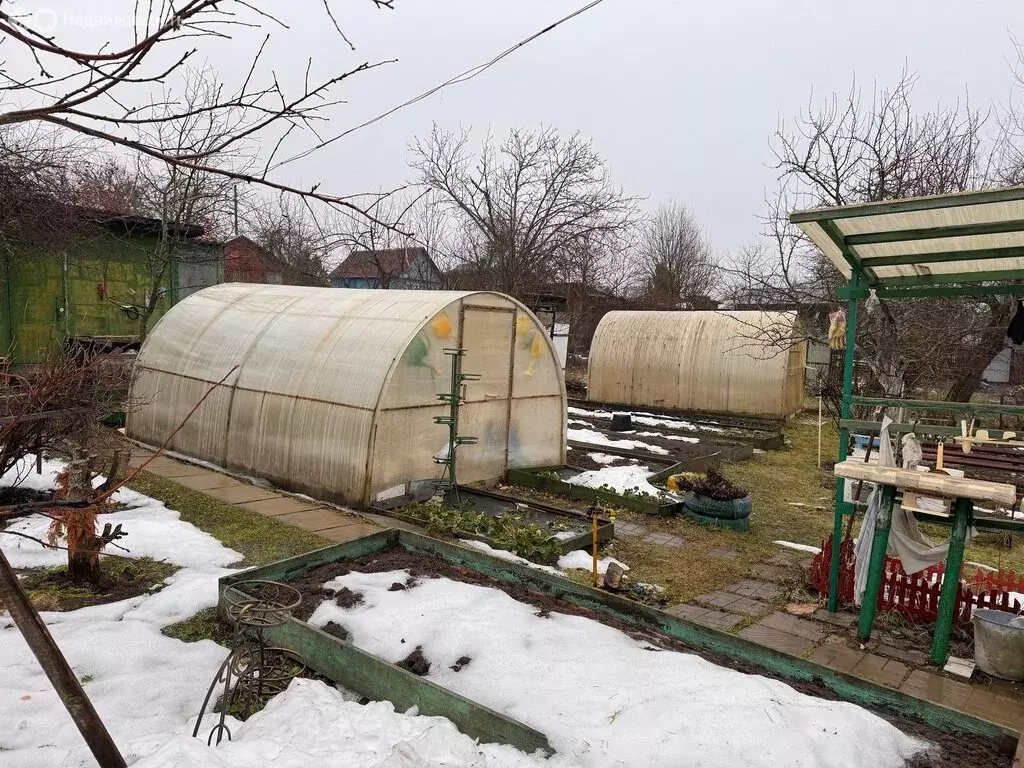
929	482
372	677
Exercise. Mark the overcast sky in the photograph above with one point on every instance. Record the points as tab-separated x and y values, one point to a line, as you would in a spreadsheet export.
681	98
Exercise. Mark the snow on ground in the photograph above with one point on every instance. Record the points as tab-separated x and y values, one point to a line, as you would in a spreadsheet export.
620	479
606	458
148	687
647	419
680	438
599	438
311	725
144	685
504	554
600	697
799	547
584	561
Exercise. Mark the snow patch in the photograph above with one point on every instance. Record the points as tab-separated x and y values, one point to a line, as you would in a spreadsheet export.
584	561
311	724
799	547
620	479
602	698
599	438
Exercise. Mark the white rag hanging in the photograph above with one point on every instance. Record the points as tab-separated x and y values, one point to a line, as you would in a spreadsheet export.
862	550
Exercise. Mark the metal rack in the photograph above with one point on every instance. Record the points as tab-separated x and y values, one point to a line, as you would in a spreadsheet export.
455	397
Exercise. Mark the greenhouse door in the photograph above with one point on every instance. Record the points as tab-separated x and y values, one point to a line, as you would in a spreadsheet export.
488	336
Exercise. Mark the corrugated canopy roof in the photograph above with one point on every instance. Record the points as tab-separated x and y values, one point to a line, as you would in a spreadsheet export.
942	240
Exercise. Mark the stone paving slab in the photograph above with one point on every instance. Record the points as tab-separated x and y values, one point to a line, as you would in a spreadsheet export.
664	540
758	590
316	520
734	603
936	689
348	532
881	671
207	481
241	494
278	505
837	657
776	640
167	467
783	622
838	619
916	658
706	617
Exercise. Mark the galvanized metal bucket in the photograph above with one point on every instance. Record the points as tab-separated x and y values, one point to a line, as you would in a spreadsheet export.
998	645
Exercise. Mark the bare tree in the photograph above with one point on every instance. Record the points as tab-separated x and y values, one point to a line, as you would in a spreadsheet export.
680	267
185	202
529	198
303	240
95	92
854	150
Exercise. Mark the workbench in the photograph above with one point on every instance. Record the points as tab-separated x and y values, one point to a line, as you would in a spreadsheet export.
964	492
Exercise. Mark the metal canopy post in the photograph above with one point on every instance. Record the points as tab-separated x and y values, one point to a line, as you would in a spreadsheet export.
963	509
844	443
876	566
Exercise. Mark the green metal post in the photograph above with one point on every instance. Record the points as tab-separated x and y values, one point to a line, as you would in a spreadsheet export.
876	565
962	511
844	442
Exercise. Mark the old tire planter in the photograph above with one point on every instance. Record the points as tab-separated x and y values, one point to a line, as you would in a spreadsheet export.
734	509
713	513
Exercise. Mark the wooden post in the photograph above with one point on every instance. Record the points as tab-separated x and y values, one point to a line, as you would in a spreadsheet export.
962	511
876	565
57	669
593	519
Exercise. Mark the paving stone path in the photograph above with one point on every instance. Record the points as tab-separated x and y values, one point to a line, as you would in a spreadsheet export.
310	515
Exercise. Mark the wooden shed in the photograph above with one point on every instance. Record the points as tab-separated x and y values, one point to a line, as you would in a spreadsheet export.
743	363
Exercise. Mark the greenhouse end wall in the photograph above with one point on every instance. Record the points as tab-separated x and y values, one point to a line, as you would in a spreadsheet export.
740	363
332	392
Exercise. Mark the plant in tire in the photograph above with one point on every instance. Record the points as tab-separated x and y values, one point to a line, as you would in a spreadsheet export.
710	494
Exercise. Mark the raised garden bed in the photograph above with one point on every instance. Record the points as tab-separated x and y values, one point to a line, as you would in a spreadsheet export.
758	433
561	522
556	480
965	740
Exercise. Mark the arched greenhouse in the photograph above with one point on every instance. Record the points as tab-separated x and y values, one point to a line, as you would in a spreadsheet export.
333	392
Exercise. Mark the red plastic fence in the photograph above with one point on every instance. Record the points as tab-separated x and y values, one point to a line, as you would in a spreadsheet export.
917	596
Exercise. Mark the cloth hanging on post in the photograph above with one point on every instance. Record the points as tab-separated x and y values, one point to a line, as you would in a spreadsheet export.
862	550
914	550
1016	329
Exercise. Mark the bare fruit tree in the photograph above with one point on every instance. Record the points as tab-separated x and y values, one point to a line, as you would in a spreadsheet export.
100	92
679	265
527	199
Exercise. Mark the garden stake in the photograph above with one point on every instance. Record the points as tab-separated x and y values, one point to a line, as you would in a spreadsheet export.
57	669
593	520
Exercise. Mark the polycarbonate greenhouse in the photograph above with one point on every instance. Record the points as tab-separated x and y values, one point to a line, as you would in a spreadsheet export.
744	363
332	392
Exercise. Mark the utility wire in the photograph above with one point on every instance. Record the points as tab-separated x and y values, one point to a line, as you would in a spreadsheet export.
463	77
